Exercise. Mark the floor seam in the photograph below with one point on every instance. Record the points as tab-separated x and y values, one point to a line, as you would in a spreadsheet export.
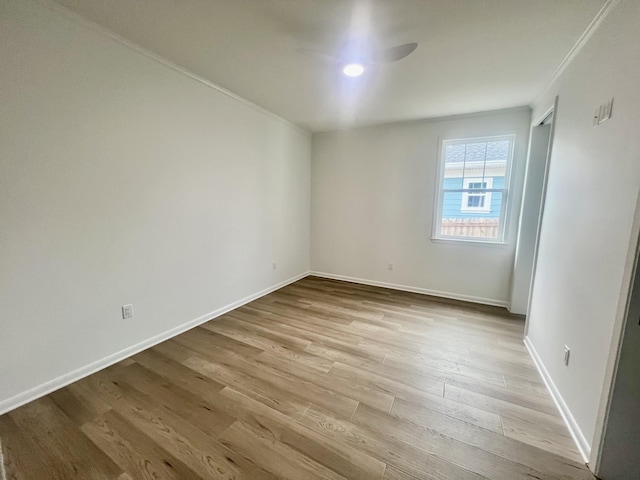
354	412
305	412
393	401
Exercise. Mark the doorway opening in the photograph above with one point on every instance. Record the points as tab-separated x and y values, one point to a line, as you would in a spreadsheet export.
531	212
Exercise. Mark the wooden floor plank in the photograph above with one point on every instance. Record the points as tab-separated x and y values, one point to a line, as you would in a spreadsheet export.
274	456
202	453
26	457
178	374
457	452
182	403
348	462
546	421
134	452
58	435
395	453
428	407
490	441
307	386
538	437
504	393
358	391
321	379
392	473
428	391
255	388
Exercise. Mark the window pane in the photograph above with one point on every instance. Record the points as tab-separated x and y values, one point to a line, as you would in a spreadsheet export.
451	204
455	153
482	224
468	168
498	151
475	201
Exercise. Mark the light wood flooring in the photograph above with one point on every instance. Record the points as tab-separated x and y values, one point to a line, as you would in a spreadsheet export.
321	379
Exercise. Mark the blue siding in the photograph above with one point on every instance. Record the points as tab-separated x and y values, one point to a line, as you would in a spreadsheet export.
452	204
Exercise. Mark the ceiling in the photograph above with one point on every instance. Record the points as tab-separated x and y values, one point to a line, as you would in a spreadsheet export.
473	55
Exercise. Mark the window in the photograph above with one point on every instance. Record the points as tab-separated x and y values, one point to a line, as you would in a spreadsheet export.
478	200
473	189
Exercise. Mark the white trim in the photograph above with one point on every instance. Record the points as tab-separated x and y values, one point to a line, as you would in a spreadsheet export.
543	200
407	288
621	321
70	14
581	442
469	242
64	380
582	41
419	121
3	472
440	191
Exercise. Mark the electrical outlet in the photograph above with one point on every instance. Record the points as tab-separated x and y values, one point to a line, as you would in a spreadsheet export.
567	354
127	311
275	265
390	266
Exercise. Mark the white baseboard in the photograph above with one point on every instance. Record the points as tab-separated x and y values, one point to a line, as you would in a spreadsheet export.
581	442
406	288
68	378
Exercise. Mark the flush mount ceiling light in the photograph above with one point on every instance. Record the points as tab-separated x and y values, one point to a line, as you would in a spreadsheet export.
353	69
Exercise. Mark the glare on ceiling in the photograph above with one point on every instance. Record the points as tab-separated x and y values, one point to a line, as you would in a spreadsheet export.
353	69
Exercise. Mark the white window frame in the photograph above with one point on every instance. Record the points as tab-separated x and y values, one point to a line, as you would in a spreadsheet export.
486	207
440	192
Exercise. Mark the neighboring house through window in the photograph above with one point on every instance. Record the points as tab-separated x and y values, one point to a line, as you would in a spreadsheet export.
473	189
476	198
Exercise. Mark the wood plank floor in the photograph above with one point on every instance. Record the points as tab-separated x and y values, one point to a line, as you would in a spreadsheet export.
321	379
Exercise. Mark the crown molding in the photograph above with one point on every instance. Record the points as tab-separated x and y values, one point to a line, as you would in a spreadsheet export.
582	41
79	19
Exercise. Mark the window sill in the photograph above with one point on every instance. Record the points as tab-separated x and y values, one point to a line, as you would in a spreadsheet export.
470	242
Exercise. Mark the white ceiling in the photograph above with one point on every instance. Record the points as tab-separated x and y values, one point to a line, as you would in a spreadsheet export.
473	55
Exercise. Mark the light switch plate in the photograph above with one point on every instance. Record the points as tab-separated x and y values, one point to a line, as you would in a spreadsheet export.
127	311
605	111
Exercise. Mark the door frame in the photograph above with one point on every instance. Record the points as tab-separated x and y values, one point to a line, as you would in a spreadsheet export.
550	112
622	320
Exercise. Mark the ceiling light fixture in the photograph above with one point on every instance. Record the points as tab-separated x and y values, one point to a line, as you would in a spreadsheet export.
353	69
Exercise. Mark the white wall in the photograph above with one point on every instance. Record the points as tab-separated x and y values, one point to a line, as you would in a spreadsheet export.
125	181
594	178
373	199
